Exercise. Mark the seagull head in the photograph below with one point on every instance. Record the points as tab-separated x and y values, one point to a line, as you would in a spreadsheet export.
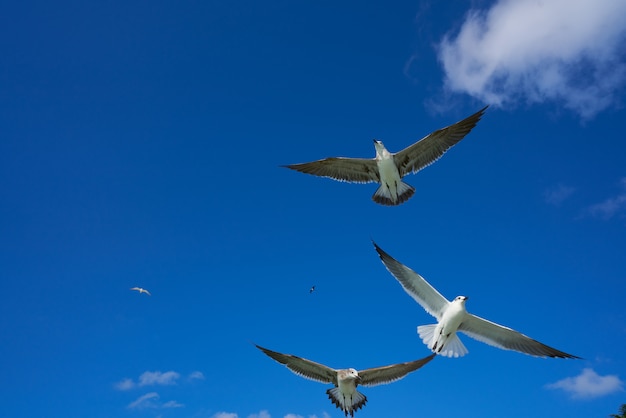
461	299
380	148
350	374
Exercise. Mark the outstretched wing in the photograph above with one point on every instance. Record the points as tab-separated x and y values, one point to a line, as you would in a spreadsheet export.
354	170
430	148
388	374
303	367
415	285
507	338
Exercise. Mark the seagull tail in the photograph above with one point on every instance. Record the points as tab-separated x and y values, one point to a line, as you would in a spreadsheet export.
348	404
452	347
384	195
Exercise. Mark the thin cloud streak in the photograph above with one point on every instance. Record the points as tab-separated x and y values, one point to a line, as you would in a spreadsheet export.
158	378
144	401
556	195
563	51
610	206
588	384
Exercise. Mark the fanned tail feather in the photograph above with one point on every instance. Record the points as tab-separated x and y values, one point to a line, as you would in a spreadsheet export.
453	347
349	405
383	195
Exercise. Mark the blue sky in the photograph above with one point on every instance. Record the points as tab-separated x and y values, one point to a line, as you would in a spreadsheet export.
141	145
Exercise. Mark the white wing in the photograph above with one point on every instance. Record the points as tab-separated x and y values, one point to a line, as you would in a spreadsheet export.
303	367
354	170
430	148
415	285
388	374
507	338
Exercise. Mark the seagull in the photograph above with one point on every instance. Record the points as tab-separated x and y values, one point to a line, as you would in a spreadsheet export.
312	289
141	290
344	395
441	338
388	168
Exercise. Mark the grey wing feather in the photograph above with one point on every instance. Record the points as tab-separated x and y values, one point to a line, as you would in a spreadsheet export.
430	148
388	374
354	170
415	285
506	338
303	367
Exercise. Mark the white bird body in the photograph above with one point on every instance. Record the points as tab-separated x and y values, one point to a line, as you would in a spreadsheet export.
392	189
345	395
451	317
141	290
388	168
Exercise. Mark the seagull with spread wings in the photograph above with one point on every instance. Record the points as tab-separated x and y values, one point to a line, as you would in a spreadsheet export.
141	290
345	395
388	168
441	338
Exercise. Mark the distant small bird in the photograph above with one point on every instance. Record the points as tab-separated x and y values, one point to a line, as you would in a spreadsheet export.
441	338
141	290
388	168
312	289
344	395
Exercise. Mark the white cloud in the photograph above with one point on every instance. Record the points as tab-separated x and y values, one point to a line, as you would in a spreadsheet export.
225	415
566	51
172	404
611	206
151	400
196	375
556	195
262	414
145	401
124	384
589	384
158	378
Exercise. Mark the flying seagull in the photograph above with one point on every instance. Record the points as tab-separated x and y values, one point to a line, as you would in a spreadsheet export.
451	317
388	168
312	289
344	395
141	290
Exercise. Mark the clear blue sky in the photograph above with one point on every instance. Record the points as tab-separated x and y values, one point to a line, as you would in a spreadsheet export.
141	144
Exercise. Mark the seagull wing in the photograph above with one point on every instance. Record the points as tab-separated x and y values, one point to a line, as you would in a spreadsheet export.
415	285
146	291
507	338
136	288
303	367
388	374
354	170
430	148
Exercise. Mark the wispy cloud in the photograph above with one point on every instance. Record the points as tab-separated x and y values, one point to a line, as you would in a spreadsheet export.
144	401
124	384
610	206
151	400
172	404
262	414
196	375
158	378
151	379
557	194
589	384
225	415
566	51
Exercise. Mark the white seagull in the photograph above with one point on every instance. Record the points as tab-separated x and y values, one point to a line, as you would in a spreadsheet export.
388	168
344	395
141	290
441	338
